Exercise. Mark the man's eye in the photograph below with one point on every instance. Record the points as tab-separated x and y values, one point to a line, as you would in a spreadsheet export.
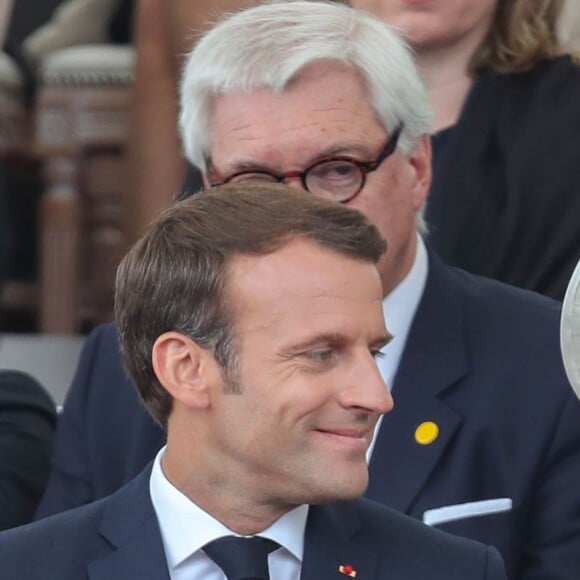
321	355
377	354
337	171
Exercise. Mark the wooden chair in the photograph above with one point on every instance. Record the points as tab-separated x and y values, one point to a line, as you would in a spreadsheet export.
82	119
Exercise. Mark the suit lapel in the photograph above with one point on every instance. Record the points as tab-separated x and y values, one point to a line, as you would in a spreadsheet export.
400	466
331	542
434	360
129	524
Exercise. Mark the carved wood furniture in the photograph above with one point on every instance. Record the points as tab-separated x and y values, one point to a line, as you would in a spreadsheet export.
82	121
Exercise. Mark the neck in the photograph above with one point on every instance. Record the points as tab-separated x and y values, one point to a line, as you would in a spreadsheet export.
391	275
444	73
221	495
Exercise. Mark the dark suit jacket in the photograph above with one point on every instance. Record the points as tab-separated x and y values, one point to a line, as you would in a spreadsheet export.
482	361
505	198
27	422
118	538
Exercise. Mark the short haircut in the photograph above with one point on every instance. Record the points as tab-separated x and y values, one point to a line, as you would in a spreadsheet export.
267	46
175	277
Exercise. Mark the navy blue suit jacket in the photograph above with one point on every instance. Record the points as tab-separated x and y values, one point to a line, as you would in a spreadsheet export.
482	361
27	424
118	538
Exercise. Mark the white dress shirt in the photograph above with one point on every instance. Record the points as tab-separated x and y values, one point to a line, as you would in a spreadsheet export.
399	309
186	528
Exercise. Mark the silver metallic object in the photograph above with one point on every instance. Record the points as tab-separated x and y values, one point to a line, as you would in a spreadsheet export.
570	331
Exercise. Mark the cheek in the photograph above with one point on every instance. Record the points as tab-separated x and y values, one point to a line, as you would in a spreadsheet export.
385	197
302	405
467	15
301	402
384	9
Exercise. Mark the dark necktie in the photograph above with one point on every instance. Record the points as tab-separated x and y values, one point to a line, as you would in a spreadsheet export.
242	558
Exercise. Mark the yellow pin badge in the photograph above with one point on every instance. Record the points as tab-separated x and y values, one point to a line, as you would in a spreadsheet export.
347	570
426	433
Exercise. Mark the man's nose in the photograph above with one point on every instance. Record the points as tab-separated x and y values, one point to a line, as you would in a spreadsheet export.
366	389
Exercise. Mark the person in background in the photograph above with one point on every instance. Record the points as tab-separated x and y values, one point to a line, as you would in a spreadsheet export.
27	424
256	352
505	197
164	33
484	439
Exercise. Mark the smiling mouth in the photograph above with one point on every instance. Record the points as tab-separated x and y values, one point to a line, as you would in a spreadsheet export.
357	438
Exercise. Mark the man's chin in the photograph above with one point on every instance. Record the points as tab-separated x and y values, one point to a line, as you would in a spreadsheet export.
343	487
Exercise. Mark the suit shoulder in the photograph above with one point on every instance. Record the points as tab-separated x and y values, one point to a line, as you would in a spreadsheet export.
500	319
552	87
63	540
421	548
20	390
549	79
100	361
67	523
104	337
381	520
497	305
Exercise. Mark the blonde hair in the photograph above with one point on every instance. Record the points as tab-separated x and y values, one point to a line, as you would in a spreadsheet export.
523	33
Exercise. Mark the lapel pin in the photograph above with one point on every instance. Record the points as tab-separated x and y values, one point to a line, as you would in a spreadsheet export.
426	433
347	570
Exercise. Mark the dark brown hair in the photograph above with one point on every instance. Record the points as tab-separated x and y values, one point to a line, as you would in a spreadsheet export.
175	277
523	33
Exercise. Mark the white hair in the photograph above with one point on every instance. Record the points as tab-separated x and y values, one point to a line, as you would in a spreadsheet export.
269	45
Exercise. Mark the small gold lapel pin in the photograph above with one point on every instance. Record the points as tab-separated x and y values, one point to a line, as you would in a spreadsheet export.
426	433
347	570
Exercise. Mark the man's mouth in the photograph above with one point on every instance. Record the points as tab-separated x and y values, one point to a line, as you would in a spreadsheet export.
356	438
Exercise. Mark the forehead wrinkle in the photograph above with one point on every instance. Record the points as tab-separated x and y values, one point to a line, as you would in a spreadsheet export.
339	107
282	136
241	130
308	151
277	311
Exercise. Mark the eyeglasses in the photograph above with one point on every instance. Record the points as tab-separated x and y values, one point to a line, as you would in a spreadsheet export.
340	178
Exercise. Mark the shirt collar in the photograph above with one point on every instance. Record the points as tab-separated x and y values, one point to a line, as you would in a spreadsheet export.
186	528
399	309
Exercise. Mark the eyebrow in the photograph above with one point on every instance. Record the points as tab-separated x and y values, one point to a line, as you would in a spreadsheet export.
351	149
347	149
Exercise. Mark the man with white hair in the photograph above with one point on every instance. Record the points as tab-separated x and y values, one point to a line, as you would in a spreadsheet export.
484	440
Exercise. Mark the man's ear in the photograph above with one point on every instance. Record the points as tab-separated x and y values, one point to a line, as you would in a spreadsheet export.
420	159
185	370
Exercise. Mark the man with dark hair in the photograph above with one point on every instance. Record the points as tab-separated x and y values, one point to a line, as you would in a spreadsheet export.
191	250
250	328
484	440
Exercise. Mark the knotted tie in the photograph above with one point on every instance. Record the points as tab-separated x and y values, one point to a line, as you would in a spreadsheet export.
242	558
